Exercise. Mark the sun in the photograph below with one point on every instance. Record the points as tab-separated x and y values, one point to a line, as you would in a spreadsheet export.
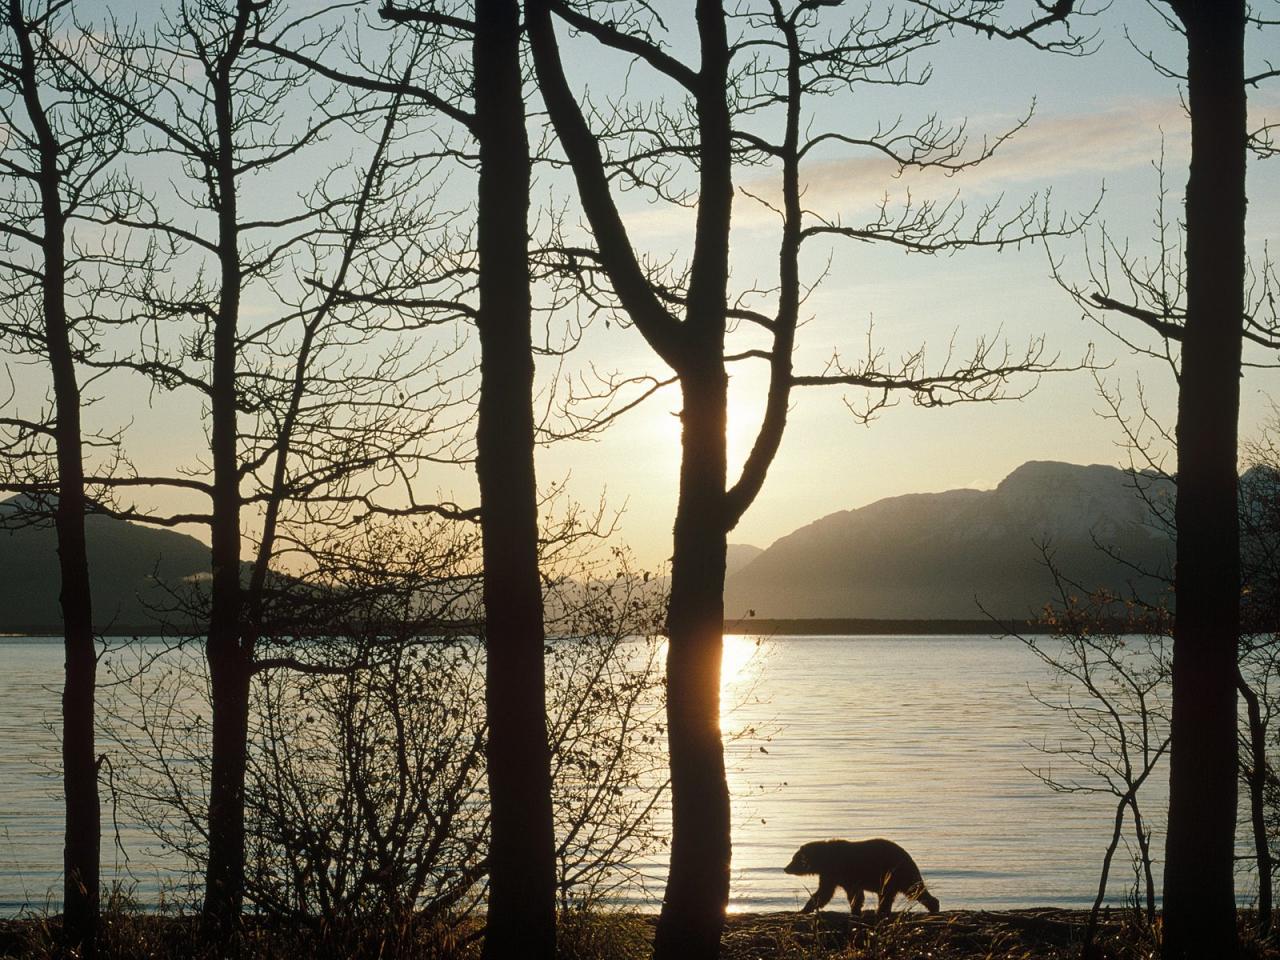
745	407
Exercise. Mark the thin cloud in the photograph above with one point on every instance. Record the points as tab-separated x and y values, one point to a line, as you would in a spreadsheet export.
1051	150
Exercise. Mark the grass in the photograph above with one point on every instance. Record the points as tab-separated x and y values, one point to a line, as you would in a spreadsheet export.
1045	934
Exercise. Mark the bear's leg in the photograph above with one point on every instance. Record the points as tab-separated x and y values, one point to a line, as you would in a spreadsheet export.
887	895
822	896
855	901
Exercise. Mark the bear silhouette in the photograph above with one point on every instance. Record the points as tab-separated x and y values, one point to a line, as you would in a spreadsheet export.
878	865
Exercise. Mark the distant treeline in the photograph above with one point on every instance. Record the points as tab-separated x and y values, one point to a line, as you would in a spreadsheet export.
854	627
862	627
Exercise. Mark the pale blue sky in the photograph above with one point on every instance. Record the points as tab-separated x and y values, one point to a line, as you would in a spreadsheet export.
1099	119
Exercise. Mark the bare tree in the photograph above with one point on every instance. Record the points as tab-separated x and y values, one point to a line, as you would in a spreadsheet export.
469	75
1110	659
748	102
1195	296
319	411
58	169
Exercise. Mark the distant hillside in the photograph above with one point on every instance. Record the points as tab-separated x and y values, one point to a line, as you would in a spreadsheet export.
921	556
125	562
739	555
938	555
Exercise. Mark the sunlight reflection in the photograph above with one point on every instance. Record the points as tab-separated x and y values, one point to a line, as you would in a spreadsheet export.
738	661
739	664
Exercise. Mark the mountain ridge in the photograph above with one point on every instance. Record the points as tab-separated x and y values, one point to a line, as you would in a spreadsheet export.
132	569
956	555
962	554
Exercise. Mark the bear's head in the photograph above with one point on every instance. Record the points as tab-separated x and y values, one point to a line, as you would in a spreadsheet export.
800	864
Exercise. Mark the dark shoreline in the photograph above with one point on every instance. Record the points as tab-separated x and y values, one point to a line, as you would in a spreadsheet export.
863	627
1017	934
779	627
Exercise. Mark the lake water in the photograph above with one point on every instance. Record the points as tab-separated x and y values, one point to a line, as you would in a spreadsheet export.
925	740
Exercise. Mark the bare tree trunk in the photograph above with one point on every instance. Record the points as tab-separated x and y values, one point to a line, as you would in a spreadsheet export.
522	868
698	879
1143	837
79	764
80	851
693	909
697	892
229	661
1091	928
1199	902
1257	782
229	688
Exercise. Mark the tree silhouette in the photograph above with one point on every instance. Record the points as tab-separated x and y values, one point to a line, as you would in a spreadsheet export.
522	864
1194	296
1199	876
760	66
1111	656
318	412
522	872
58	170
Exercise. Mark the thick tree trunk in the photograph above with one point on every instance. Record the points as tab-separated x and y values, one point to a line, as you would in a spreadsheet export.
522	869
698	880
229	655
697	892
80	852
1199	903
79	761
230	664
229	689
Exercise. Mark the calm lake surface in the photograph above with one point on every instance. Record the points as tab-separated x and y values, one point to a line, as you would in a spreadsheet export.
925	740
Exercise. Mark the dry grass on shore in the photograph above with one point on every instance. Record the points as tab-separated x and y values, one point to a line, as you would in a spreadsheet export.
1043	934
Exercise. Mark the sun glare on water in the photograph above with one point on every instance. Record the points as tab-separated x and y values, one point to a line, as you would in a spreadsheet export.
738	660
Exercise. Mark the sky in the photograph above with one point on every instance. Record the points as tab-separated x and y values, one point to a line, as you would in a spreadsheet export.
1099	123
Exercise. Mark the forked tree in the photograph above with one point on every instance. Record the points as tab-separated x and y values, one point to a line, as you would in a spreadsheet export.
749	101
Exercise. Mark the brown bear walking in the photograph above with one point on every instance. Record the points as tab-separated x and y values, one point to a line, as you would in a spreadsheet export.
857	865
